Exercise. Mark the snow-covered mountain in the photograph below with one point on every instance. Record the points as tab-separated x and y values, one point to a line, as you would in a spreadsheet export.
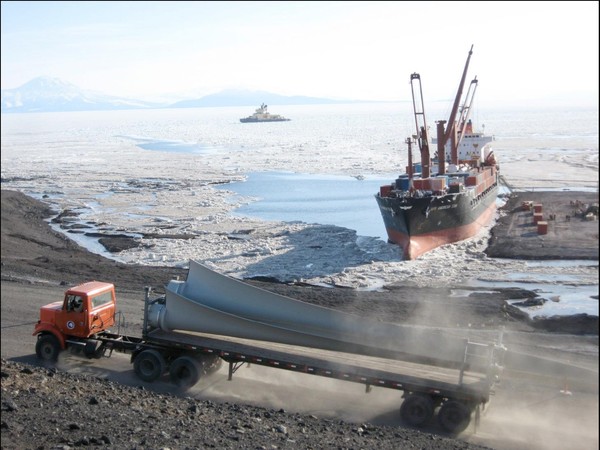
47	94
237	97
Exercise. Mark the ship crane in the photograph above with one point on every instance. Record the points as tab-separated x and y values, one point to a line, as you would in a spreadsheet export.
451	132
465	112
421	125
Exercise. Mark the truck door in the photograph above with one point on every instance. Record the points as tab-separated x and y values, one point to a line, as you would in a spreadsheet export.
74	321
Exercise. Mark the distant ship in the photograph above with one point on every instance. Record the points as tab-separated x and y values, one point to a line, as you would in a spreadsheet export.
262	115
442	200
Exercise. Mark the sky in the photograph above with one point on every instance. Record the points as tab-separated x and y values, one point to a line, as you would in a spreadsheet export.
522	51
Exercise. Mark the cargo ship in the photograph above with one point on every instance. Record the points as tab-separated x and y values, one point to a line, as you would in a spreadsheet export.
448	197
262	115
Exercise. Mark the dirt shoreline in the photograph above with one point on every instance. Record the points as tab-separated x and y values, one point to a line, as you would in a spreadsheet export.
570	230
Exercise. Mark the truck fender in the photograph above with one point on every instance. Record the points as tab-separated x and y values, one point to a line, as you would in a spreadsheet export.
46	329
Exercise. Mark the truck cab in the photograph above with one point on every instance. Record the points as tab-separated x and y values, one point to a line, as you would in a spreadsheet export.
86	309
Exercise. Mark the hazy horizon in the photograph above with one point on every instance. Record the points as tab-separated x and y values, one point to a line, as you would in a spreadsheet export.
336	50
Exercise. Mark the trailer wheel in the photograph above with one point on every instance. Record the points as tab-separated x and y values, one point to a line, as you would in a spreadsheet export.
185	371
210	363
454	417
417	409
47	348
149	365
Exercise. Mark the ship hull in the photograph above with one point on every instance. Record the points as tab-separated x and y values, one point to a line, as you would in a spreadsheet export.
420	224
253	120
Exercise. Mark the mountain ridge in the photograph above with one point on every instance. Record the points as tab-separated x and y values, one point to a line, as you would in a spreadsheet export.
50	94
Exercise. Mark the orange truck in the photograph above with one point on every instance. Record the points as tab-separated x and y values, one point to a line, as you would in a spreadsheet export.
81	322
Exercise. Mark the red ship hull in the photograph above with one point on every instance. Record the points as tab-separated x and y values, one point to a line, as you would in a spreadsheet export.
415	246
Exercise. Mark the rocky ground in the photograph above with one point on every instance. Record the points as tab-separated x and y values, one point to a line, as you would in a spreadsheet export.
48	408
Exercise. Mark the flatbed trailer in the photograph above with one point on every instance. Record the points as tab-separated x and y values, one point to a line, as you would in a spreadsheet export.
456	393
189	356
370	371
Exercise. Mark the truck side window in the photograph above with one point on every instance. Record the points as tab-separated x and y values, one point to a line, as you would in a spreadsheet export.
102	299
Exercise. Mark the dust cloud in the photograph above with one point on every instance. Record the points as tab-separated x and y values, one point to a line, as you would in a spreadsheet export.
527	415
301	393
519	415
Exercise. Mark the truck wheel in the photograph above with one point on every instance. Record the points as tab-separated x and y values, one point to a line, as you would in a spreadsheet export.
417	409
149	365
454	417
185	371
47	348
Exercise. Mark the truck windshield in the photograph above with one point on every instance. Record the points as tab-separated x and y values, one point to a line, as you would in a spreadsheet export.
74	303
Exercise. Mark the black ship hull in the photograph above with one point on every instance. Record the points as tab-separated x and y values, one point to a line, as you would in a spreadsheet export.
254	119
420	224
